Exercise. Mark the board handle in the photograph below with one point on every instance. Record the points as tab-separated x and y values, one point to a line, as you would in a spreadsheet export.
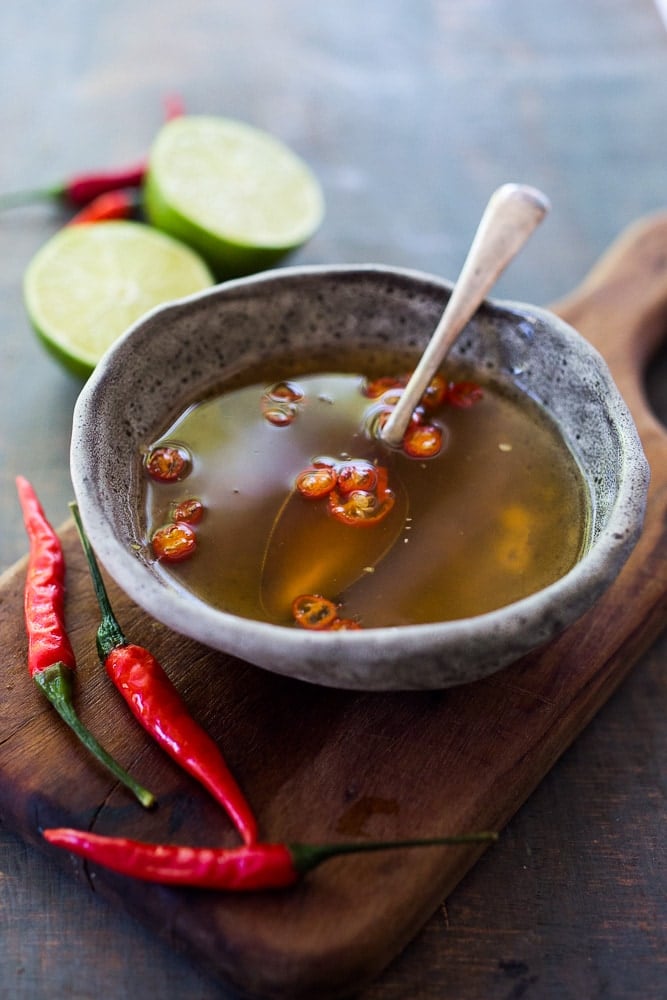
621	308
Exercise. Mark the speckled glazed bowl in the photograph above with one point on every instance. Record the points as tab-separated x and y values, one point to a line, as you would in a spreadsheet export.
182	352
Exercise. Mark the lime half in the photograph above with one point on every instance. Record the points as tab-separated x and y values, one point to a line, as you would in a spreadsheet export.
239	196
90	282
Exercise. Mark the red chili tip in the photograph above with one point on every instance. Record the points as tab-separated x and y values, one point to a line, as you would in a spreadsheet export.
174	106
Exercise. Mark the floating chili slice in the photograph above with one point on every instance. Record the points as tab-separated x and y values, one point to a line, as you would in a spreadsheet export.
188	511
357	475
422	440
358	507
312	611
315	483
363	507
464	394
168	463
174	542
435	393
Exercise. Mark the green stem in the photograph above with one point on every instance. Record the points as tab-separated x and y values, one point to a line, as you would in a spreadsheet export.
308	856
13	199
109	633
56	684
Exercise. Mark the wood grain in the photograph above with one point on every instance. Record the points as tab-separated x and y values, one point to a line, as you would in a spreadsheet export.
323	765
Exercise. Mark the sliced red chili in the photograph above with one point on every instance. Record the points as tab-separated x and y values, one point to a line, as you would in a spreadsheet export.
168	463
435	393
464	394
358	507
174	542
189	511
422	440
363	507
312	611
357	475
316	482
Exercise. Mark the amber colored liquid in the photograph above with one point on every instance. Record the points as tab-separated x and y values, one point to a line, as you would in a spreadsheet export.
500	513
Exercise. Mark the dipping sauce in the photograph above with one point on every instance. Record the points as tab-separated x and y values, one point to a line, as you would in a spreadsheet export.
493	511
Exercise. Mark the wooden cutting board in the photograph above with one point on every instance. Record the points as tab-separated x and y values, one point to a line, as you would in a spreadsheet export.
322	765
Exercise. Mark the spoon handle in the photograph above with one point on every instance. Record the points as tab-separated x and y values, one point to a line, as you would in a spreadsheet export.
513	212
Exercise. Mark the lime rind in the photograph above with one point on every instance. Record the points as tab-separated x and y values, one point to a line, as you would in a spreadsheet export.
236	194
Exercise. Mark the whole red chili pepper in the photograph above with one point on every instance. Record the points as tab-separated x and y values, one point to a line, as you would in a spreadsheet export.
120	204
159	708
80	189
51	660
253	866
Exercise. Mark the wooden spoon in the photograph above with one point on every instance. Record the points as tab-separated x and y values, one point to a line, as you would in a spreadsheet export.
513	212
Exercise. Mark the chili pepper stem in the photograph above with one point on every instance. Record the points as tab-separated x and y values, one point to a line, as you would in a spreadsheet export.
56	684
109	633
14	199
305	857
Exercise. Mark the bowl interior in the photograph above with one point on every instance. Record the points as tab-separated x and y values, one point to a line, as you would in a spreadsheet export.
298	320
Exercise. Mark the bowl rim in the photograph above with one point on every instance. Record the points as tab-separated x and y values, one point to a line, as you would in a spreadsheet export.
590	573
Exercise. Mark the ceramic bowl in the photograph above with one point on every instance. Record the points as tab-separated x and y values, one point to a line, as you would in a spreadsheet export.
183	351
